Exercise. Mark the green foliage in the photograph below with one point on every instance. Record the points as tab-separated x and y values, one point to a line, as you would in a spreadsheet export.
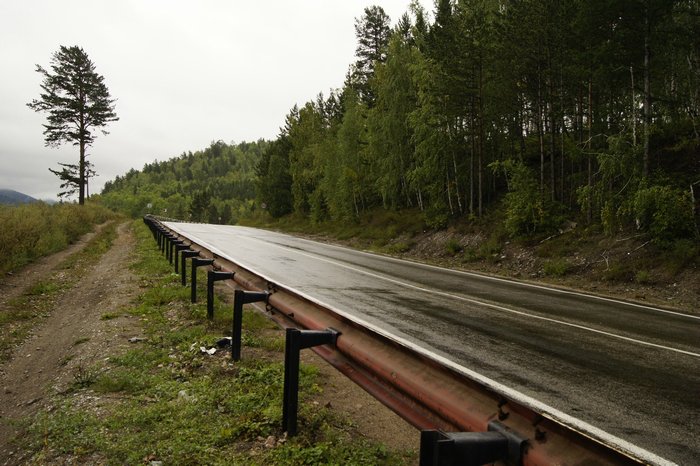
526	210
274	182
30	231
664	212
390	146
681	254
618	272
217	184
556	267
558	115
643	277
372	33
534	90
453	247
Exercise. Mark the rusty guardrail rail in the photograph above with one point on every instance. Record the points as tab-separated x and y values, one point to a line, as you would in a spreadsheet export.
435	395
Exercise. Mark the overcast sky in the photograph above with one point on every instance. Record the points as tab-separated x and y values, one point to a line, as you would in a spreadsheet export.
184	73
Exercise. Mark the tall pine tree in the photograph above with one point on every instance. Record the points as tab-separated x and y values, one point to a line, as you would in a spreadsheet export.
77	102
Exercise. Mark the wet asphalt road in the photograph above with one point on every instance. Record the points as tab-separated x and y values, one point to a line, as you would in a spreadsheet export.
631	370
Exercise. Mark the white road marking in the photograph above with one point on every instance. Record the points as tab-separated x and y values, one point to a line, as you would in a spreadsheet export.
526	400
478	302
475	301
503	280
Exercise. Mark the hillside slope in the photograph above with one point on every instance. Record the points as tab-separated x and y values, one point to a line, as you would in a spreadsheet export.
12	197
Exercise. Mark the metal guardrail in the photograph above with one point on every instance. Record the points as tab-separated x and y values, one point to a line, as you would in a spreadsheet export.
463	419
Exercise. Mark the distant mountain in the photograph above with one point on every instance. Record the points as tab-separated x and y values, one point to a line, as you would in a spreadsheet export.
8	196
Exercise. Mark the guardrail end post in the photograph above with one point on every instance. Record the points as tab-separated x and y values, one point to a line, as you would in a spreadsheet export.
295	341
439	448
214	276
240	298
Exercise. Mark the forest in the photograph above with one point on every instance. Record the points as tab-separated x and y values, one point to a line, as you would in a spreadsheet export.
550	112
214	185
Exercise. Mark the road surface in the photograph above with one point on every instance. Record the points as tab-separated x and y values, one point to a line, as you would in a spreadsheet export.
629	369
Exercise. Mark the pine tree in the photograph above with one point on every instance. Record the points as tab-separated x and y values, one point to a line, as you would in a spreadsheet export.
77	102
372	32
69	175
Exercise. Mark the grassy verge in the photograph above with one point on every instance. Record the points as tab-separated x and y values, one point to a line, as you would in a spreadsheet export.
164	400
30	231
21	314
378	229
584	252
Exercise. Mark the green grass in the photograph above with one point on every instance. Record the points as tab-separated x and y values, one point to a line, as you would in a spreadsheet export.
169	402
556	267
374	229
453	247
25	311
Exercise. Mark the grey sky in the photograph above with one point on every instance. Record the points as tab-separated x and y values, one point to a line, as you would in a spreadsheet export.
184	73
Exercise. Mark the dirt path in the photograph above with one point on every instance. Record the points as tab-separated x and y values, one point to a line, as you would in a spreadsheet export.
73	337
87	325
15	283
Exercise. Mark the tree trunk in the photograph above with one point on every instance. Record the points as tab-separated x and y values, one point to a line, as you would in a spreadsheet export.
634	109
471	164
81	175
589	210
552	128
647	90
540	129
481	138
449	191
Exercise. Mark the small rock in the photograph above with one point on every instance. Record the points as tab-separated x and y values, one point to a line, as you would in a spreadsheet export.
136	339
183	395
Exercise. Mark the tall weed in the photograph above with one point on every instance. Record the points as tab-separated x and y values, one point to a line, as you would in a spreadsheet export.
30	231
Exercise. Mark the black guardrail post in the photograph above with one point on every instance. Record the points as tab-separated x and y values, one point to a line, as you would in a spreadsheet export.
214	276
295	341
197	262
162	234
179	247
439	448
171	248
240	298
166	241
184	255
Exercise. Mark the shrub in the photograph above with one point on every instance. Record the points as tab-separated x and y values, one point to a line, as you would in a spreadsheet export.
643	277
34	230
453	247
666	213
682	253
526	210
556	267
618	273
